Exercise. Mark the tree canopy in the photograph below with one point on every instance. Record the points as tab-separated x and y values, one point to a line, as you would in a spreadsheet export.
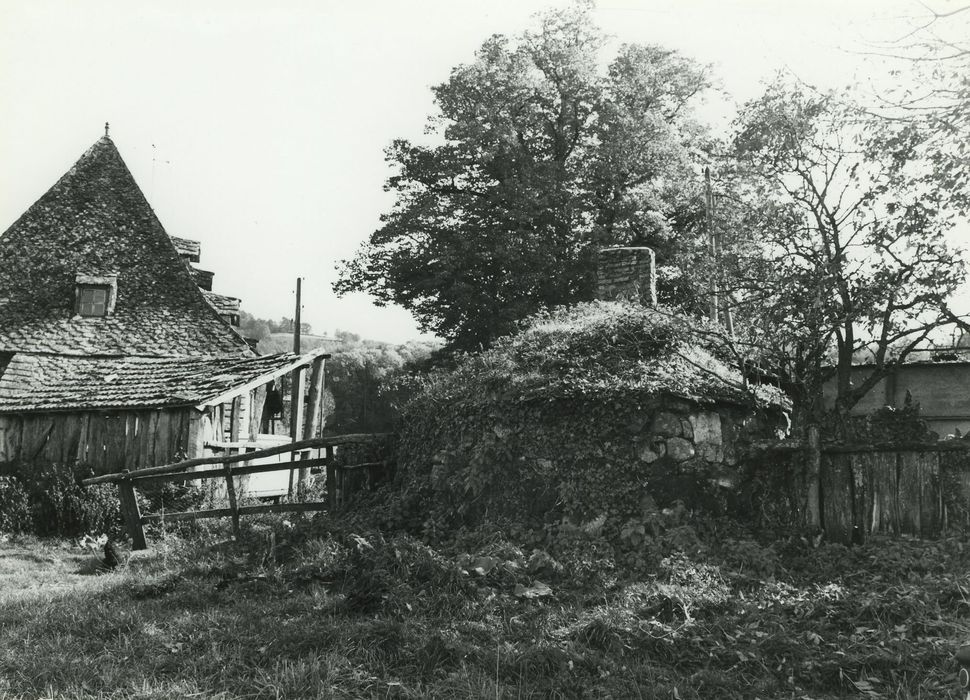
933	97
852	261
539	157
832	219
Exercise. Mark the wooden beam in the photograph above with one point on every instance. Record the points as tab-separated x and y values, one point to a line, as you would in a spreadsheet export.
943	446
283	508
131	514
235	418
362	465
237	471
301	361
331	480
188	515
196	440
233	505
326	441
296	418
314	412
242	445
243	510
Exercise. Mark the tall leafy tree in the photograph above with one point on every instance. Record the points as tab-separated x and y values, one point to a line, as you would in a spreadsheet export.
539	158
853	261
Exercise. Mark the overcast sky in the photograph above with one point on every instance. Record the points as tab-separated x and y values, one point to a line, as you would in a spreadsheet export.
259	128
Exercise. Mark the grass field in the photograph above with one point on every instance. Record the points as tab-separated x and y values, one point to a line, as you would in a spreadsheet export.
299	612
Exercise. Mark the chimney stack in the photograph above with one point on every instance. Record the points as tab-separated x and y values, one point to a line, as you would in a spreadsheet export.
626	273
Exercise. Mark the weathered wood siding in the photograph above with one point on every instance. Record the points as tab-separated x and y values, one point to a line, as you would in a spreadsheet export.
922	493
105	441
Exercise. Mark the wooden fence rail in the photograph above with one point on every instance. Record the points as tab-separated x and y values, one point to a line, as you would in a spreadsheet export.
128	480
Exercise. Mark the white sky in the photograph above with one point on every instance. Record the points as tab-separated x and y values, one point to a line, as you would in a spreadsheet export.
269	123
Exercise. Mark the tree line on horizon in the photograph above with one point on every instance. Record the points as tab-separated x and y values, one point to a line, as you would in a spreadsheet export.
261	328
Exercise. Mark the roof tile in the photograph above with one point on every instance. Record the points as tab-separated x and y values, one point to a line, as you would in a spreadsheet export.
34	382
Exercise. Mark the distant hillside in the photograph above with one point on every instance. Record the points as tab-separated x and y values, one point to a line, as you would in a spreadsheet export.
283	342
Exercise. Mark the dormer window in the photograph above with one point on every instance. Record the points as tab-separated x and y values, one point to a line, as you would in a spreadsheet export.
95	295
93	301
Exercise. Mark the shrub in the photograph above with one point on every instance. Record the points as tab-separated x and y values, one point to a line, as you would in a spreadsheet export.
59	505
14	508
171	496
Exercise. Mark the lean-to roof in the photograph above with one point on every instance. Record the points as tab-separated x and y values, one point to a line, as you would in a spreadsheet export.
33	382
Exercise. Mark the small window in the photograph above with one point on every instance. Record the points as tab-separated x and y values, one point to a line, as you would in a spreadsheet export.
93	301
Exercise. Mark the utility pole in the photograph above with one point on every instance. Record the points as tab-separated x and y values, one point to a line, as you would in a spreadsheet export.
296	392
715	245
712	242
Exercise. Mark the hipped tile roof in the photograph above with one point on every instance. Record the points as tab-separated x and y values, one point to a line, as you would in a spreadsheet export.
96	221
34	382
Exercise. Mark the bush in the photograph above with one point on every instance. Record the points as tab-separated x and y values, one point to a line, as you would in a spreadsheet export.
171	496
50	500
14	508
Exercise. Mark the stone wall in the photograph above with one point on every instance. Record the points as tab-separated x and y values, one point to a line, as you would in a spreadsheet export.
626	273
583	458
683	442
697	437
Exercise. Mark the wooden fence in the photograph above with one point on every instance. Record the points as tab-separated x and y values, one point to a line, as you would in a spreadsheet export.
917	490
231	466
856	491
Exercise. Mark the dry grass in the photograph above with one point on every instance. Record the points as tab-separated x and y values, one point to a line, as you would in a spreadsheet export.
338	616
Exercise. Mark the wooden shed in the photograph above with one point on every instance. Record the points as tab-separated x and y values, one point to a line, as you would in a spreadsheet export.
112	414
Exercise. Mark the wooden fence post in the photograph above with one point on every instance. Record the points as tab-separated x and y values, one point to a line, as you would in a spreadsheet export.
131	514
296	420
813	473
331	480
233	505
314	414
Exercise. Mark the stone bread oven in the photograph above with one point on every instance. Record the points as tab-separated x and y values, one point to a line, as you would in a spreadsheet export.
587	411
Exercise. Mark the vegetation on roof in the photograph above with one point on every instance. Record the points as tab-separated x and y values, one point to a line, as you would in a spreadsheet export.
602	348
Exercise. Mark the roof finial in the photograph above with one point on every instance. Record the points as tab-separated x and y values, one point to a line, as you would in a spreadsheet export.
106	127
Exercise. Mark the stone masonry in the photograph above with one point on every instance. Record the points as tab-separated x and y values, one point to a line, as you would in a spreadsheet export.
626	273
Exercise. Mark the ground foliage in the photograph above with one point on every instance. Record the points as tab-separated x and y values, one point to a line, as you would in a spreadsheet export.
549	422
334	607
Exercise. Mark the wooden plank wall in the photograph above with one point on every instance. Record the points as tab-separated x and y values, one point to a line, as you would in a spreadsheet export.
889	493
107	442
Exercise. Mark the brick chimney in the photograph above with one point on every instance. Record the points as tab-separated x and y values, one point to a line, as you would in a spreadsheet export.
626	273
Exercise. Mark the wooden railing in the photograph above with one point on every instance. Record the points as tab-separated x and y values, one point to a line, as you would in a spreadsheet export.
229	468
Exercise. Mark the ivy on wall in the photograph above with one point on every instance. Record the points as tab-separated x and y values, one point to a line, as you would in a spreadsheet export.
585	413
